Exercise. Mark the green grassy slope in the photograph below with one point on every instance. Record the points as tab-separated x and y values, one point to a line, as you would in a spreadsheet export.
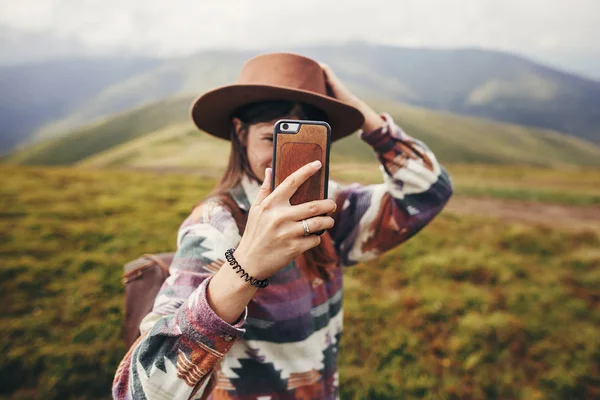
453	139
458	139
104	134
178	146
469	308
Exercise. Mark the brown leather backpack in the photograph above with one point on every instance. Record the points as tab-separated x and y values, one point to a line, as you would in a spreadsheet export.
144	276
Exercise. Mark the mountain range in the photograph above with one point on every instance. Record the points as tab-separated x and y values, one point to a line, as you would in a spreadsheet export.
51	99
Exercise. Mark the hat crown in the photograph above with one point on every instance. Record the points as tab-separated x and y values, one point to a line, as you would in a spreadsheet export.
269	77
284	70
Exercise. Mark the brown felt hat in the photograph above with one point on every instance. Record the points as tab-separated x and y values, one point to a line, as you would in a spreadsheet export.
275	76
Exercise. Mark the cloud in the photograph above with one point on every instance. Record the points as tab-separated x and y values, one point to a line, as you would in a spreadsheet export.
180	27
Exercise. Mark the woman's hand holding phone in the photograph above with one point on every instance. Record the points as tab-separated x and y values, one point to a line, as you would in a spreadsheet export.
274	234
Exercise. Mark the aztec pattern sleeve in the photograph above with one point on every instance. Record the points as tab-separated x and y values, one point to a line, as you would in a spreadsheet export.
183	338
375	218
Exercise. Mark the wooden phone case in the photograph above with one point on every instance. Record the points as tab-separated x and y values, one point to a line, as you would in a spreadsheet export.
294	150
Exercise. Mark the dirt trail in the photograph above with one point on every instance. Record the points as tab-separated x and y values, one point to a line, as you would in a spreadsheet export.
563	216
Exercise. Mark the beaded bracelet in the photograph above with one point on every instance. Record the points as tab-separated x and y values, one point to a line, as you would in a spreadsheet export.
244	275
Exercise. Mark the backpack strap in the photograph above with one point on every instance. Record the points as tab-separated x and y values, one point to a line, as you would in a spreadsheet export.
239	215
163	260
135	269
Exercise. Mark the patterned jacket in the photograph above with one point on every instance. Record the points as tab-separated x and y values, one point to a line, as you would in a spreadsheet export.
285	345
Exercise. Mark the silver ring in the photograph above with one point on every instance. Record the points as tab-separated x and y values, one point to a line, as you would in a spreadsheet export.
306	230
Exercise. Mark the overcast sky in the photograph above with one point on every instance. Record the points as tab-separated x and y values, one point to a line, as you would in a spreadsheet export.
564	32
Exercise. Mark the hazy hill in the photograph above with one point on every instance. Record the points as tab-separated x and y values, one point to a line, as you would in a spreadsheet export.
103	134
160	135
180	77
36	93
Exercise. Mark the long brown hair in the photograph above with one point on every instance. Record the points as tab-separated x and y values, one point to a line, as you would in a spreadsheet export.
317	260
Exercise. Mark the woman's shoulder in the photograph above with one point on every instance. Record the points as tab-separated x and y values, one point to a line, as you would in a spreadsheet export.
209	209
210	218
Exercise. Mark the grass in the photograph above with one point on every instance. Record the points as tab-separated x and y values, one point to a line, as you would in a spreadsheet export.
476	310
65	236
469	308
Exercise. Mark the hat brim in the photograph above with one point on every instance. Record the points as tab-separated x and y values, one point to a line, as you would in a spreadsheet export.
212	111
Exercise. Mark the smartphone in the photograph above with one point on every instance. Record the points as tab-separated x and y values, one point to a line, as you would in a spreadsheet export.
295	144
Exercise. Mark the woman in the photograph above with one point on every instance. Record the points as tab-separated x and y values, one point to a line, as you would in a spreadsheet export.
214	335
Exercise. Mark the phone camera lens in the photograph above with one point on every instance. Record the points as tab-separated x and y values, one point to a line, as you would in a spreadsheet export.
285	127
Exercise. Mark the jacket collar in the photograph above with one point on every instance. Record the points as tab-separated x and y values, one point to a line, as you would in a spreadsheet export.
245	192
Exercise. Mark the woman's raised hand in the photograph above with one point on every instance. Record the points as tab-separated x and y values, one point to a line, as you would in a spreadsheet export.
341	92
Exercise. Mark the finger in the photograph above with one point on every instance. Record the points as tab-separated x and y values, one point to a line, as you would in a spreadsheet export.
307	243
314	224
288	187
265	188
311	209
